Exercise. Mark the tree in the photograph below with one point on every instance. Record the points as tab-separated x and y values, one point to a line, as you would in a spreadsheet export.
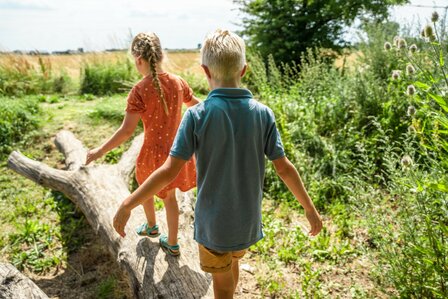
286	28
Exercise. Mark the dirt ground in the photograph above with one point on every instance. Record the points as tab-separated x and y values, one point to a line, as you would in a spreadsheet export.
88	267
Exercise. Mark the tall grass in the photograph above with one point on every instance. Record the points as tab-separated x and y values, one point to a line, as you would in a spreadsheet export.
18	76
106	77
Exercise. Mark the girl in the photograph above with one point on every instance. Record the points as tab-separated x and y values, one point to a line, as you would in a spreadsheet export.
157	101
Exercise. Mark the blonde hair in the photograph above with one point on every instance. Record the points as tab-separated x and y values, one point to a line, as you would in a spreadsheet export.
147	46
224	53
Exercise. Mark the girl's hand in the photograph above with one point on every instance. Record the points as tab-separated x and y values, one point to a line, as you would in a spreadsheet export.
93	155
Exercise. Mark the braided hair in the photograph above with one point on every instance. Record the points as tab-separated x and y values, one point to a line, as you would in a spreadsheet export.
147	46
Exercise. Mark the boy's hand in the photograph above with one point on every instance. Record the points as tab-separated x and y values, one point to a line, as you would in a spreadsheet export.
120	220
315	222
93	154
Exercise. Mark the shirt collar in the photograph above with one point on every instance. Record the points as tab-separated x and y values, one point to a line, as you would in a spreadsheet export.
231	93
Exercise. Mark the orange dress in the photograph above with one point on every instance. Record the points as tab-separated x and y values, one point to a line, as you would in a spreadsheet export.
159	128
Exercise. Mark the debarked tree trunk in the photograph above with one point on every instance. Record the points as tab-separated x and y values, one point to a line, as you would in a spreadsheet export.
15	285
98	191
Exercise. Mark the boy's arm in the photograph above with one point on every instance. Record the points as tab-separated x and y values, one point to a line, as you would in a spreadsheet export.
153	184
122	134
194	100
290	176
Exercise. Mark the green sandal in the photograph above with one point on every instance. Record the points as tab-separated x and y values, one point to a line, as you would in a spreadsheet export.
146	231
170	249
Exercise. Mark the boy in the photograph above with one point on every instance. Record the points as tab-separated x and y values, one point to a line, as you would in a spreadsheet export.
230	133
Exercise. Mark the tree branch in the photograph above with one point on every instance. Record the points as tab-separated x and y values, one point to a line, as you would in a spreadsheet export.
72	148
38	172
15	285
126	165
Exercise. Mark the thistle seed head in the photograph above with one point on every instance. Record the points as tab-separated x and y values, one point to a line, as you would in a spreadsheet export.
410	91
411	110
434	17
410	70
402	44
396	74
406	161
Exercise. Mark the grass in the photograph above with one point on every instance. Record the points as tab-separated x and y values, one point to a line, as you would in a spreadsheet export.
327	266
41	229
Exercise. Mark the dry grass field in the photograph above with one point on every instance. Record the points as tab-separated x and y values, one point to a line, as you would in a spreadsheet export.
175	61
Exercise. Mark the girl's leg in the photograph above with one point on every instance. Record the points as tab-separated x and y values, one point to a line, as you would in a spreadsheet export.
150	213
172	216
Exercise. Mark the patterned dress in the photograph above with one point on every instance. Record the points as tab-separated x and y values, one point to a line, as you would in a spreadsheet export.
159	128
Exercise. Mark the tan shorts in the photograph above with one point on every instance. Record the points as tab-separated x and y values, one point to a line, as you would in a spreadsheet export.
213	261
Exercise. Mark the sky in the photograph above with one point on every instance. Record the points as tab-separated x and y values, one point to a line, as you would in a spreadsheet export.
57	25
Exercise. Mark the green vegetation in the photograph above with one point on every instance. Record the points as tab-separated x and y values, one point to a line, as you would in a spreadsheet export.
19	77
373	152
18	120
369	139
285	29
106	78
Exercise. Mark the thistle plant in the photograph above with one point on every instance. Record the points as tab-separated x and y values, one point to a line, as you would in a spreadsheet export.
418	265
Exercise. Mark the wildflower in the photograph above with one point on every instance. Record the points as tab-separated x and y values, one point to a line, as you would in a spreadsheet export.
411	110
387	46
434	17
410	91
413	48
402	44
395	41
406	161
396	74
410	70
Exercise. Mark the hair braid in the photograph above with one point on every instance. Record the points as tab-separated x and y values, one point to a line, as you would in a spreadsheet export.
148	47
155	78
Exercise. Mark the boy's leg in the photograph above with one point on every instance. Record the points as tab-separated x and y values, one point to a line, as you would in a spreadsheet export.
236	273
150	213
223	284
172	216
224	267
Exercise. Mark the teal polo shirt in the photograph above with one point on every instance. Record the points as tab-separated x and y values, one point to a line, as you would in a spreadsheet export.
230	134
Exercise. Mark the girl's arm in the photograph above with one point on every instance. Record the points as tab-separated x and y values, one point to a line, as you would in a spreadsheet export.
194	100
123	133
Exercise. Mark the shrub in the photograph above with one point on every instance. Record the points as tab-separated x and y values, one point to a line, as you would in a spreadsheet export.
101	77
18	118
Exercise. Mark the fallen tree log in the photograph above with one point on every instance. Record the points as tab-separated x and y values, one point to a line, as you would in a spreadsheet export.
98	191
15	285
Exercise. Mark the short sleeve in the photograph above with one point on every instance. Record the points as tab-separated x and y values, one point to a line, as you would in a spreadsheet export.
184	143
273	147
187	91
135	103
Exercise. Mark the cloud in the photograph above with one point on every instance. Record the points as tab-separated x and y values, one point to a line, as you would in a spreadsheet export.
24	5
